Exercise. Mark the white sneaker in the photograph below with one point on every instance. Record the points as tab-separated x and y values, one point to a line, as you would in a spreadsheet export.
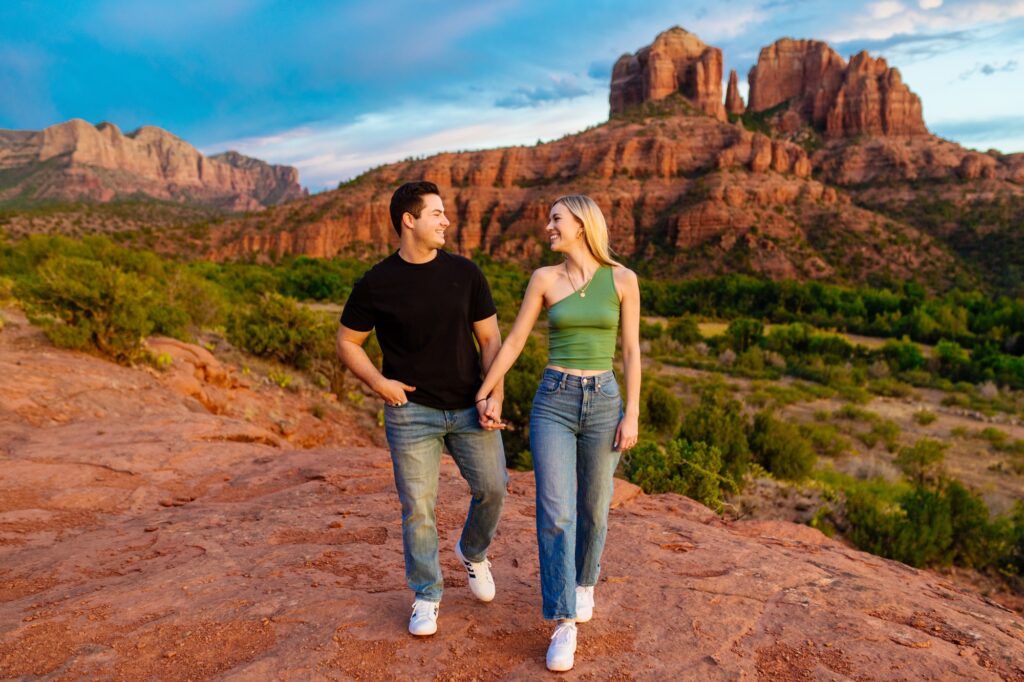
584	603
481	584
423	621
563	647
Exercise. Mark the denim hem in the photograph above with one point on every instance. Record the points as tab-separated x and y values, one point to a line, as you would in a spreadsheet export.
572	617
420	597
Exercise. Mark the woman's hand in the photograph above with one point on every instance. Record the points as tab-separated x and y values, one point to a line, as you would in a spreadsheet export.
627	432
490	413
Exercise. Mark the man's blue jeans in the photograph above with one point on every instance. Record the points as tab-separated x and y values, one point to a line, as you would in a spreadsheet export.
416	435
572	430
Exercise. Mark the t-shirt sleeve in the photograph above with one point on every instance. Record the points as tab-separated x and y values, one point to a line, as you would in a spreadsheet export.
482	305
359	314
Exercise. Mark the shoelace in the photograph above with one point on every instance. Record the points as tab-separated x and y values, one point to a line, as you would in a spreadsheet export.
418	606
563	633
471	566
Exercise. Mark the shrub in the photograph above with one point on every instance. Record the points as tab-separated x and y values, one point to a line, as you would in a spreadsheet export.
779	447
825	439
691	469
924	417
87	305
520	386
684	330
661	409
718	421
922	462
649	331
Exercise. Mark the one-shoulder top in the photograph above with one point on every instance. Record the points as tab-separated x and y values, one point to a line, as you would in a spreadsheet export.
582	329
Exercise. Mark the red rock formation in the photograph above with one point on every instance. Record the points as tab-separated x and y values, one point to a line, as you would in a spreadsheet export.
76	160
864	97
733	101
677	61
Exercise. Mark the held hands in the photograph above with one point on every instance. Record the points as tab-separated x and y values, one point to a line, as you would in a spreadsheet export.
393	392
489	410
626	433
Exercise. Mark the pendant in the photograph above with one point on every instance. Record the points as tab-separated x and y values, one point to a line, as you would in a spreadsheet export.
583	294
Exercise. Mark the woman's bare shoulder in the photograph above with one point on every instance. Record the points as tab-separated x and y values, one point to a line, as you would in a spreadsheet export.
623	275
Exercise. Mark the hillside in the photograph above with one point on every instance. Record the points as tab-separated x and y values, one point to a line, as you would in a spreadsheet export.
147	532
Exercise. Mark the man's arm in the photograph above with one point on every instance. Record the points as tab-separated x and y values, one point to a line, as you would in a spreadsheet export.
350	350
488	335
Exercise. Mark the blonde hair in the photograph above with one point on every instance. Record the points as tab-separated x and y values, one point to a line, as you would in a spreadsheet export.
595	229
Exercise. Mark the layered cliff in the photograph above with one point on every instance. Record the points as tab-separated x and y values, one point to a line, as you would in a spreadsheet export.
79	161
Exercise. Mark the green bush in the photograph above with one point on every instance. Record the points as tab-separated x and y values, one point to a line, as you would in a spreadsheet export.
660	409
718	421
649	331
685	330
520	386
87	305
780	448
691	469
825	439
934	525
278	328
922	462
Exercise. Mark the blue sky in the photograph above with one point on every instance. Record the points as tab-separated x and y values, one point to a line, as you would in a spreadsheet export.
335	88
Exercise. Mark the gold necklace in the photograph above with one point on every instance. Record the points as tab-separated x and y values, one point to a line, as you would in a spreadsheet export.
581	291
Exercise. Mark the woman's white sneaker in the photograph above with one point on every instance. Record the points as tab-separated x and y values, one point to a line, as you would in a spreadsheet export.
584	603
423	621
481	583
562	649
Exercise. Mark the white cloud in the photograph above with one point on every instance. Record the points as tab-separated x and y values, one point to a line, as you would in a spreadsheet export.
883	20
326	155
885	10
929	4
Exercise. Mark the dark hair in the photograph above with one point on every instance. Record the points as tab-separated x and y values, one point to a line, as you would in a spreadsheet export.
409	199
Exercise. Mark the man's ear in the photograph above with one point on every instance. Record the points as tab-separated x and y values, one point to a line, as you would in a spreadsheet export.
408	220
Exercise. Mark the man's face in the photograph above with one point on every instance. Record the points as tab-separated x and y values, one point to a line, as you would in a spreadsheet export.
430	227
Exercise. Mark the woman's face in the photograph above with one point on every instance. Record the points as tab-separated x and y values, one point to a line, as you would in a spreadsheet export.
563	229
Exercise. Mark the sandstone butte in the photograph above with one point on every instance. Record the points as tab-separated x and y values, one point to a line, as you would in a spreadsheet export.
680	185
77	161
193	524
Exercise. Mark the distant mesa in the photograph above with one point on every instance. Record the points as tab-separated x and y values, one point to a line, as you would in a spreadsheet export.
78	161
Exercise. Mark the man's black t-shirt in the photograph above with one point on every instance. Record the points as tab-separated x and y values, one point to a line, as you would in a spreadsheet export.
424	315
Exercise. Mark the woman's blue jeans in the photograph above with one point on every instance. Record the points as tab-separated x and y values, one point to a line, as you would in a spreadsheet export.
572	430
416	435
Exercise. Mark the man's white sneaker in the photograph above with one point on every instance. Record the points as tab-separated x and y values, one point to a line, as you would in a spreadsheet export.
481	584
562	649
423	621
584	603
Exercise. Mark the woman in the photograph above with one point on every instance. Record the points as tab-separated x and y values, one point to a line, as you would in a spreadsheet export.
578	425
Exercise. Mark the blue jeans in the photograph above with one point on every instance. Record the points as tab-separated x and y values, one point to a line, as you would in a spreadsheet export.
416	434
572	430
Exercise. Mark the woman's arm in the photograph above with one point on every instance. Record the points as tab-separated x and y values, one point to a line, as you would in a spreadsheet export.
529	311
629	288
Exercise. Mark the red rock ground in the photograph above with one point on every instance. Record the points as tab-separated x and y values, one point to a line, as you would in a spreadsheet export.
144	537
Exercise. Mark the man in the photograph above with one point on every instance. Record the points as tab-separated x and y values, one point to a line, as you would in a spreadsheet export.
427	306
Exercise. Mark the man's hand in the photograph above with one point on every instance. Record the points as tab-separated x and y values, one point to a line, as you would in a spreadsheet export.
393	392
490	413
